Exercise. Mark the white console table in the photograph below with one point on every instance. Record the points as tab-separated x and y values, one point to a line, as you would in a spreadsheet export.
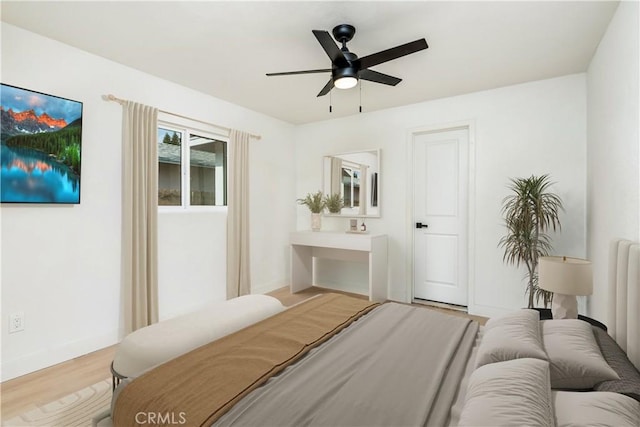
370	248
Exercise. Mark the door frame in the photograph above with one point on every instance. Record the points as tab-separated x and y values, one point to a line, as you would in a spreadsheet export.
469	125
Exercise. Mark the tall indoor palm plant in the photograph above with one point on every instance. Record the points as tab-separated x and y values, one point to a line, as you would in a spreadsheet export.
529	214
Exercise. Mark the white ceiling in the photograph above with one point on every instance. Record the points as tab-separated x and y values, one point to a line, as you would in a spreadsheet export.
225	48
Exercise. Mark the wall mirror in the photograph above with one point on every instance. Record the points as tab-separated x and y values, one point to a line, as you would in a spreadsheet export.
356	177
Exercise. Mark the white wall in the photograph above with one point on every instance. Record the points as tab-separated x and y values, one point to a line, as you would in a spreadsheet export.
613	146
61	265
532	128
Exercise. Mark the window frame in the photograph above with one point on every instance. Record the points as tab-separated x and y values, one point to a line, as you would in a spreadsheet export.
186	128
352	169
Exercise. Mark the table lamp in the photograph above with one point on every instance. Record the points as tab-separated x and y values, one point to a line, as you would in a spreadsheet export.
565	277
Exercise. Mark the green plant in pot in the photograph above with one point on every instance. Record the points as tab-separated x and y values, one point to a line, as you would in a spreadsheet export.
334	203
316	204
530	213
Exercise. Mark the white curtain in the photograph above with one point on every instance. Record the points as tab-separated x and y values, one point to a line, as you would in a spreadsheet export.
363	190
238	257
336	175
139	215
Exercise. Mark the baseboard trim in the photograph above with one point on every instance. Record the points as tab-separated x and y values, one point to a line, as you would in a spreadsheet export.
52	356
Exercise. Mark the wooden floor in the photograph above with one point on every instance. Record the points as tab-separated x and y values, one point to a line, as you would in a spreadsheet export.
38	388
46	385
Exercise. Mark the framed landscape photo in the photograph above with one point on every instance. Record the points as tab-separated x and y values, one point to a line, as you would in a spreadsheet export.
41	143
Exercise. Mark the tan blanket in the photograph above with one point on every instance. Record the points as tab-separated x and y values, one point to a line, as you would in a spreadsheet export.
228	369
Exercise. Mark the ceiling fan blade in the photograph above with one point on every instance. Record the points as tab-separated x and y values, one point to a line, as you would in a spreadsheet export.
329	46
374	76
288	73
393	53
327	88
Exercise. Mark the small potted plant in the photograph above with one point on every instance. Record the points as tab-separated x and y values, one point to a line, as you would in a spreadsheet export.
334	203
316	204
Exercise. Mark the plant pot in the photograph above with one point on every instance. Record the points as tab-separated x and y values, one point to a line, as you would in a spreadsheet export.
316	221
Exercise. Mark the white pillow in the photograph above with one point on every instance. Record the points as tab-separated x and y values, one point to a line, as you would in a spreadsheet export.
515	335
512	393
576	362
595	408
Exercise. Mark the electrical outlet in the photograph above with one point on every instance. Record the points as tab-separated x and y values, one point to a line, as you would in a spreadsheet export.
16	322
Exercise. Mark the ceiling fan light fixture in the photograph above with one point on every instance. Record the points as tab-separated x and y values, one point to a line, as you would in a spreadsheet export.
345	82
345	78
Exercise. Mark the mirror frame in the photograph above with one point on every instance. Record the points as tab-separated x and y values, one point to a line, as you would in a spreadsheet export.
326	184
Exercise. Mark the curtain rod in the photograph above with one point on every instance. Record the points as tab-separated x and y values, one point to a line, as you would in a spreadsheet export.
122	101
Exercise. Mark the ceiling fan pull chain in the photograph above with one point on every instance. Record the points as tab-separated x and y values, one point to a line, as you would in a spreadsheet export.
361	96
330	102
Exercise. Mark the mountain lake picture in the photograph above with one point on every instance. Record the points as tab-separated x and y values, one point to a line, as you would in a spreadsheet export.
41	141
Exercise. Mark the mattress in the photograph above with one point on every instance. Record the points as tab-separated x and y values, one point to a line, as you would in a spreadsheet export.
398	364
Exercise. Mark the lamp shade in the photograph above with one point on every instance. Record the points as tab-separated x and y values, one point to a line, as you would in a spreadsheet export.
564	275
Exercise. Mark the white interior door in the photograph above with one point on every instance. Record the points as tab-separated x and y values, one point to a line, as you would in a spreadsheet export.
441	171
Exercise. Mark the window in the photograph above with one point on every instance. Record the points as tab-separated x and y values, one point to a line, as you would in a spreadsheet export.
350	191
192	167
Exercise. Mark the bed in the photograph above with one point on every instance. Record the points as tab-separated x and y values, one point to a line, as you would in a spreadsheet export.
336	360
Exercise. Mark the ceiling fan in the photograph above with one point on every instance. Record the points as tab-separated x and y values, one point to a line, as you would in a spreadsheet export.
347	68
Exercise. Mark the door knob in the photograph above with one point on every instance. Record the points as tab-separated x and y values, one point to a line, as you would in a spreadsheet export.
421	225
